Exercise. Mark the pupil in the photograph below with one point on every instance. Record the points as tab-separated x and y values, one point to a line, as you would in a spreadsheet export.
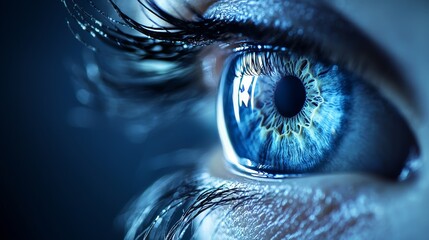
289	96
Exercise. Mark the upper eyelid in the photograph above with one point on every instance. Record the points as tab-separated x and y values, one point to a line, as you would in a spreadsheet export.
326	35
322	33
306	27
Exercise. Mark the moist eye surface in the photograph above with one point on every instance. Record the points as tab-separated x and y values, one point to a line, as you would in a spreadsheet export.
281	114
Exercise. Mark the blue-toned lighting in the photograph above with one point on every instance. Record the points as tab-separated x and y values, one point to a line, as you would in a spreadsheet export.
280	113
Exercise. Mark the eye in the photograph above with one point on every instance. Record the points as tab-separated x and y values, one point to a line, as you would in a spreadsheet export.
306	107
283	114
283	111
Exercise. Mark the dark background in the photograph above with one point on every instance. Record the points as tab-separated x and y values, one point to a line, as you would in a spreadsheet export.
59	181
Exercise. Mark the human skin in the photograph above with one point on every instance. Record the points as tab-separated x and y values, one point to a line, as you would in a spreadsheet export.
344	205
390	210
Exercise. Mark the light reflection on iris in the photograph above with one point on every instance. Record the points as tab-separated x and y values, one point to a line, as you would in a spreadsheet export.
262	137
261	134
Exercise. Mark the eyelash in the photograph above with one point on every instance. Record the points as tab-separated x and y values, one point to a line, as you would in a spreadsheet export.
175	202
188	198
180	45
104	70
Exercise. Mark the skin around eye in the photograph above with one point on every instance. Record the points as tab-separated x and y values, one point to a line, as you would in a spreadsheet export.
329	206
401	208
336	109
319	207
332	206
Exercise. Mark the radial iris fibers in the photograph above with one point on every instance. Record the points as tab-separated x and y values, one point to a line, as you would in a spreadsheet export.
281	113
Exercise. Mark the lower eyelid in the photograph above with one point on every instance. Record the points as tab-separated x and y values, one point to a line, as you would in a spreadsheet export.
333	205
225	206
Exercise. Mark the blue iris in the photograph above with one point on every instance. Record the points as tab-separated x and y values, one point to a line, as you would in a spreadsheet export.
281	113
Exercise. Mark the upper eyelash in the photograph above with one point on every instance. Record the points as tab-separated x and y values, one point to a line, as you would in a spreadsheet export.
183	29
107	31
181	36
190	193
146	92
182	40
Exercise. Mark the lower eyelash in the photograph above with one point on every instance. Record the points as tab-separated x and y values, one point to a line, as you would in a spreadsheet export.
183	205
173	203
